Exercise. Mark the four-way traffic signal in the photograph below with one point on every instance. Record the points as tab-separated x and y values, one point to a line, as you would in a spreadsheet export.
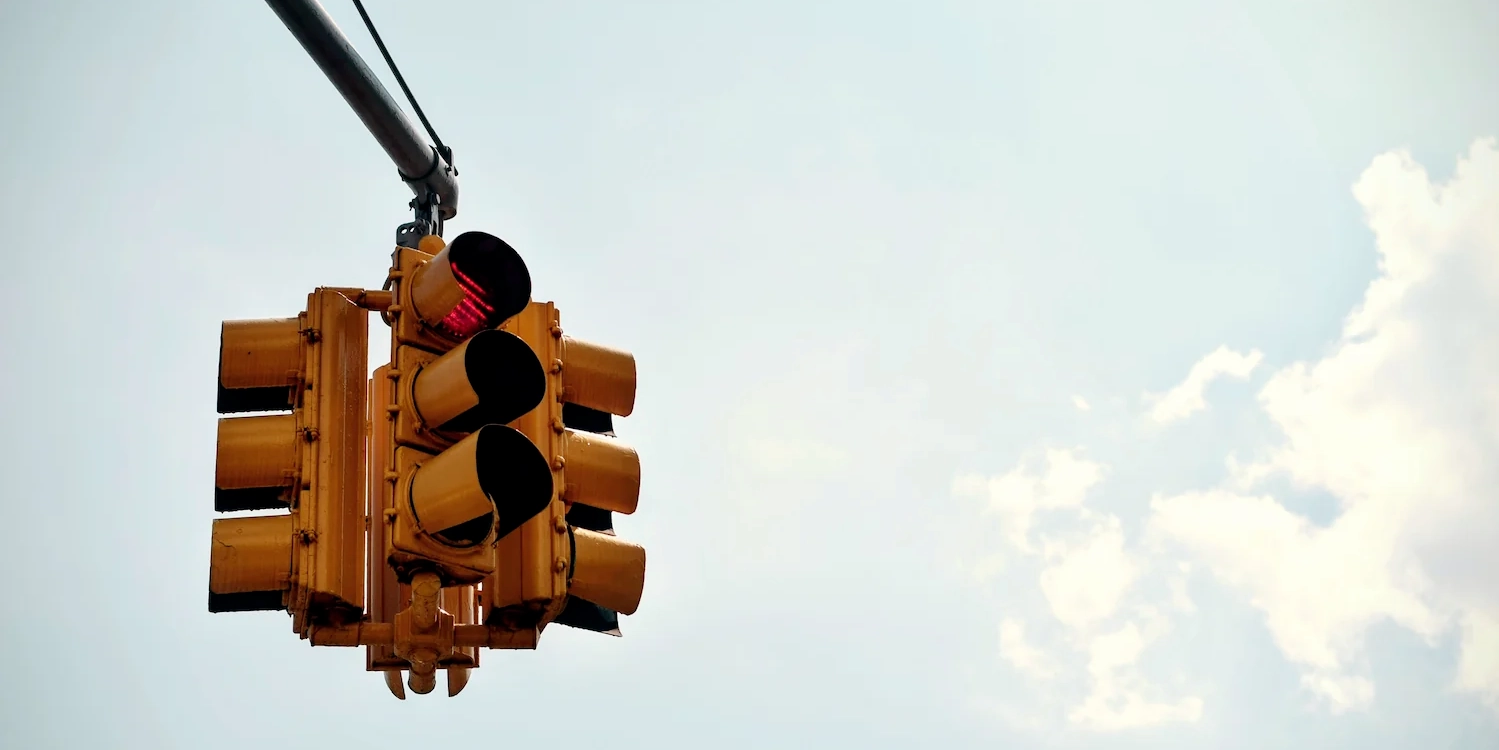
464	493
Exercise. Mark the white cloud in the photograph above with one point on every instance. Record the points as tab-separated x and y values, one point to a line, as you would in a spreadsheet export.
1186	398
1400	422
1081	403
1087	579
1181	600
1478	665
1087	574
1118	697
1320	589
1015	649
1019	494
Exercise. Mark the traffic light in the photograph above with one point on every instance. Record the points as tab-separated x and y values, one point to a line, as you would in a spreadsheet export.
305	461
386	594
459	478
465	492
565	565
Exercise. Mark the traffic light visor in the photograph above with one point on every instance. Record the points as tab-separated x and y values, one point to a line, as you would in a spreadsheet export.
598	377
476	282
256	465
258	364
250	566
602	472
607	571
495	471
491	378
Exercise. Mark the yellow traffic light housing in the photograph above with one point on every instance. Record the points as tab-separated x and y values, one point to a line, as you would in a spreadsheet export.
307	462
465	492
460	478
548	562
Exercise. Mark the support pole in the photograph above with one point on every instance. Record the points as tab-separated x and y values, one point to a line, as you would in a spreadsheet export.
421	168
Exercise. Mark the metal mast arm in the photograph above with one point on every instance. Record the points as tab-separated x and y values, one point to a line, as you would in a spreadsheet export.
420	166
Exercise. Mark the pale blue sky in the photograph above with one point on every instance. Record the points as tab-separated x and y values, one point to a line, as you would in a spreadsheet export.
873	259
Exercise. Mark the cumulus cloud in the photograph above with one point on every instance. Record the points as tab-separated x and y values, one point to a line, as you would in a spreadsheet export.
1399	422
1119	696
1187	398
1319	588
1018	495
1086	573
1015	649
1087	579
1479	664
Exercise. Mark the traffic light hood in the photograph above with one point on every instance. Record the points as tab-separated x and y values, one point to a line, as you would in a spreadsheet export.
475	283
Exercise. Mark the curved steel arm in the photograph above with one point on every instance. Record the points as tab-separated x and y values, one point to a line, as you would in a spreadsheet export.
417	160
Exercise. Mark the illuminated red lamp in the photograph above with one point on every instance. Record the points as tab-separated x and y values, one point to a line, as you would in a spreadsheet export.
474	284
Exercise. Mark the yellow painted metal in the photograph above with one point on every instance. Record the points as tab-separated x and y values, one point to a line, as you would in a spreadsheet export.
250	566
457	482
462	601
369	299
600	471
262	366
411	546
366	511
488	379
457	679
597	376
393	682
434	290
260	354
408	427
531	584
440	390
329	585
422	296
464	636
257	462
384	593
409	549
608	571
424	632
310	460
529	587
445	491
